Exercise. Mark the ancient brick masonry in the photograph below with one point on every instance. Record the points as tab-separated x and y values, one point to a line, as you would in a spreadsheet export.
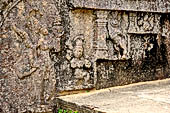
47	47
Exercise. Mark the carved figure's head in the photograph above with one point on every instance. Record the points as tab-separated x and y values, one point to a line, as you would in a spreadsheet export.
78	48
87	64
21	6
78	52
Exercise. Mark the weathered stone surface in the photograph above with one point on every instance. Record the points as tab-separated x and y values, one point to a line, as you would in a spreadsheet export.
162	6
27	77
47	47
139	98
129	41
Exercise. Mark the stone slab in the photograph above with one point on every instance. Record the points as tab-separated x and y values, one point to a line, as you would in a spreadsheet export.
162	6
146	97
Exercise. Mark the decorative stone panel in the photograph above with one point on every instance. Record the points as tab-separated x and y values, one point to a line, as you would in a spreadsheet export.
49	47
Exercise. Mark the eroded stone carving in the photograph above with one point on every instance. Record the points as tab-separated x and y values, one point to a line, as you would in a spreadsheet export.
141	23
166	28
101	34
78	48
24	65
89	43
34	58
118	38
30	31
79	62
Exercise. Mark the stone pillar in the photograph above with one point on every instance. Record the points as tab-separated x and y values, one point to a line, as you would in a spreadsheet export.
101	32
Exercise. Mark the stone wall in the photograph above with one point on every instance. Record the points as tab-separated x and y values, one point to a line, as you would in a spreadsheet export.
30	30
113	47
47	47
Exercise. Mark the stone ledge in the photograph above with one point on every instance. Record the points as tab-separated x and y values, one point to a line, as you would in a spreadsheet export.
150	96
65	105
125	5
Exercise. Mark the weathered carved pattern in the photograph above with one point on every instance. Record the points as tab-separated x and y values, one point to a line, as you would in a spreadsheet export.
101	32
80	64
34	45
116	36
142	23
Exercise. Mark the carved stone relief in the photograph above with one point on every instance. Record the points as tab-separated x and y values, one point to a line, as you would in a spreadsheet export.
34	57
117	37
101	32
132	39
122	25
48	46
31	80
166	39
142	23
79	51
79	63
141	45
24	65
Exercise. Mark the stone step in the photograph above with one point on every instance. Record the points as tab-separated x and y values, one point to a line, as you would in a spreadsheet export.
145	97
